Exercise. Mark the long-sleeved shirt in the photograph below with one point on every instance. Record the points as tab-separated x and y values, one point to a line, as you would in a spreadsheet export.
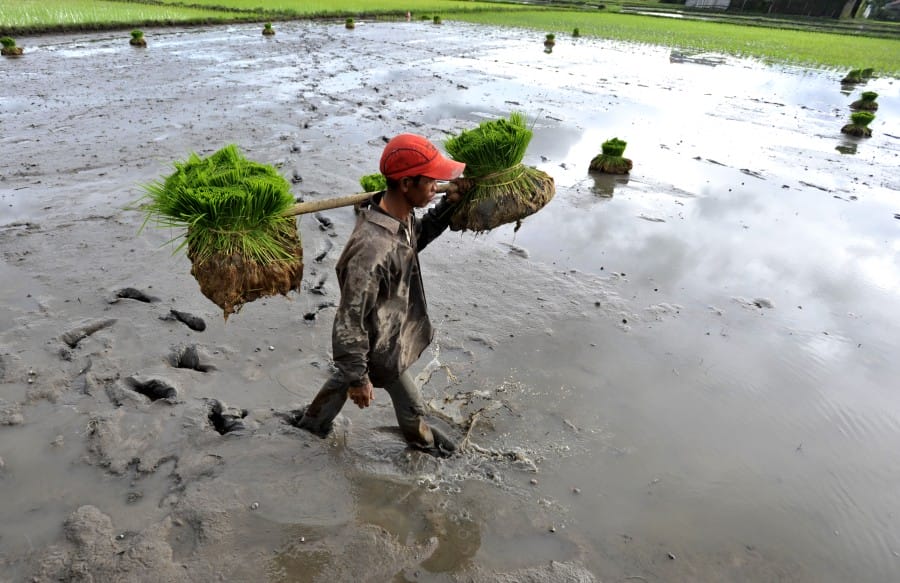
381	326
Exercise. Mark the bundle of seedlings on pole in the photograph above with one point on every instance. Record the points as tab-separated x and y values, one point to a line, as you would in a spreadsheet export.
268	30
241	241
373	182
610	160
9	47
137	39
503	190
866	102
859	124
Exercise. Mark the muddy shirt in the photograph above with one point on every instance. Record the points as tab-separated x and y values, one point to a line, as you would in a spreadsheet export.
381	326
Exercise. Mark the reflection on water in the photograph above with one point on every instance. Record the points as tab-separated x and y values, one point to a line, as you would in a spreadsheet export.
846	148
605	184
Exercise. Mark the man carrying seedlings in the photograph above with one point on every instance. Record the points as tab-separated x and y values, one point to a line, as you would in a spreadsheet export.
381	326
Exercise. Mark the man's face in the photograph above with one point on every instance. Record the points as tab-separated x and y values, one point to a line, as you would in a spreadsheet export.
419	190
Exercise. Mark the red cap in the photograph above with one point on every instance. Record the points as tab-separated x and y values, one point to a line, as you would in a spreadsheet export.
413	155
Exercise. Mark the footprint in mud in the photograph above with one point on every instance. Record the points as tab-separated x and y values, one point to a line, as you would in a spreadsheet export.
321	256
225	419
152	388
193	322
130	293
188	357
324	222
310	316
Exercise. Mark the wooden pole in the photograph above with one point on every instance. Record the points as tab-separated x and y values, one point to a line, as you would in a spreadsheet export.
351	199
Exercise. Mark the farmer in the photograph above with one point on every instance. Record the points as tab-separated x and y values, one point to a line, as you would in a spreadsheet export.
381	325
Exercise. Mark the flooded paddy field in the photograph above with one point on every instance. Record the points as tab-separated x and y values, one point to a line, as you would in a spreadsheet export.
686	373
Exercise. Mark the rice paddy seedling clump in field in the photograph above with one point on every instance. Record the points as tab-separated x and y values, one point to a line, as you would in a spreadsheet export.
9	48
268	30
576	32
858	76
550	40
437	20
137	39
349	24
503	189
240	243
859	124
866	102
610	160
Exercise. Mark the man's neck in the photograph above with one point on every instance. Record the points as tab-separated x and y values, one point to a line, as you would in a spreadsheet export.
396	205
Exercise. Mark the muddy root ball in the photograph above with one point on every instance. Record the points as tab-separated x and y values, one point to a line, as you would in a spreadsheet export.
856	131
230	281
611	164
503	199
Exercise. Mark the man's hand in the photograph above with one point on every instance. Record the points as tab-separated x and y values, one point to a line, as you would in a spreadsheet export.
362	395
462	186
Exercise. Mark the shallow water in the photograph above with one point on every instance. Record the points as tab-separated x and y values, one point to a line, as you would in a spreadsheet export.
700	378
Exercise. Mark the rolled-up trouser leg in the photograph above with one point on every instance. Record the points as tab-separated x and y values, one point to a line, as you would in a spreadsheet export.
329	401
410	410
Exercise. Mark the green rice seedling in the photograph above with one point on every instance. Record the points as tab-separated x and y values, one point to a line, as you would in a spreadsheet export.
549	40
859	124
503	190
610	159
9	47
268	30
437	19
866	102
373	182
853	77
576	32
868	73
137	39
231	212
349	24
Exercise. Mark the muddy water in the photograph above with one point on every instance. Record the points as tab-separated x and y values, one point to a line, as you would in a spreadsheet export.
684	374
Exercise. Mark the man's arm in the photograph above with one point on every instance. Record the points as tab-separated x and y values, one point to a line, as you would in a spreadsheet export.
437	219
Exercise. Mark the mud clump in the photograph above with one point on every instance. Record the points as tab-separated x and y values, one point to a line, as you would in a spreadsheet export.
232	280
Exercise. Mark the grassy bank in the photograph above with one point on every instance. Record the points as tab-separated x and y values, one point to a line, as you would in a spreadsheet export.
815	49
29	16
22	17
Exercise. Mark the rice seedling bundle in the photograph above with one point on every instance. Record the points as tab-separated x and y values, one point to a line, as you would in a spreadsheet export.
241	244
503	189
610	159
373	182
866	102
9	47
859	124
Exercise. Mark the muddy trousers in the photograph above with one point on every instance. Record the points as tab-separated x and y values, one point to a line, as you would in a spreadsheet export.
405	396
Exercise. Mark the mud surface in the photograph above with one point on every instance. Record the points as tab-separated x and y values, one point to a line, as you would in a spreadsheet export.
684	374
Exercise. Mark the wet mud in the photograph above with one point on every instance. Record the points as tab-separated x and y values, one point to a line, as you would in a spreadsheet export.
683	374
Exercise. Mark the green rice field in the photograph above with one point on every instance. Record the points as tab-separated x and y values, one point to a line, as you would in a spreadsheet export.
808	48
23	16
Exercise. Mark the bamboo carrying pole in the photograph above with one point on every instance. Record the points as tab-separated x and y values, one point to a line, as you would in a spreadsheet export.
351	199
